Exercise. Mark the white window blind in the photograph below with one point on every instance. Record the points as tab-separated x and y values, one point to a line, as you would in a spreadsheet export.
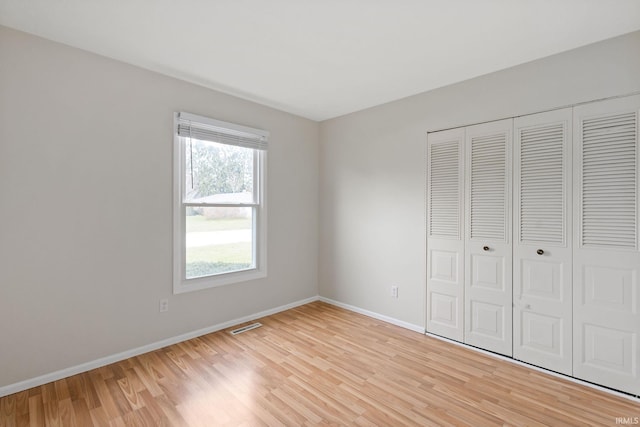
206	129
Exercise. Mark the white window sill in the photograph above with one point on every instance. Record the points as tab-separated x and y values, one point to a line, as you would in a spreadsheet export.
207	282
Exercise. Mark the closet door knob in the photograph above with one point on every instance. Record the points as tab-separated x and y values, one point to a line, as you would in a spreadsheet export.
485	248
539	251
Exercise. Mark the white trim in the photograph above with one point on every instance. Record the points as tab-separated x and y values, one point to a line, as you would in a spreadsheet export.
259	227
576	104
422	330
107	360
393	321
222	279
537	369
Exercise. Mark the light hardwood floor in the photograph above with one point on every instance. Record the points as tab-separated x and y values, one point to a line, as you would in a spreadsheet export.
314	365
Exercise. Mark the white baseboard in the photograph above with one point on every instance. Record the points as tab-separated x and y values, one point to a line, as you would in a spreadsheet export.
406	325
422	330
536	368
84	367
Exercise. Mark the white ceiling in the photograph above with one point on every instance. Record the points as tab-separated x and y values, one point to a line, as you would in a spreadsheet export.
324	58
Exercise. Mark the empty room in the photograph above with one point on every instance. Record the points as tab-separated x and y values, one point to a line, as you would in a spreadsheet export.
301	213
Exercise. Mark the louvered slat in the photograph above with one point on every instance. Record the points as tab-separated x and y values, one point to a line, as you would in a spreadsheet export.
444	214
487	191
541	184
609	182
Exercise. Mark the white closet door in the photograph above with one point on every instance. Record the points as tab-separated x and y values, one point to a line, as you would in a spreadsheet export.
445	241
488	287
542	319
606	259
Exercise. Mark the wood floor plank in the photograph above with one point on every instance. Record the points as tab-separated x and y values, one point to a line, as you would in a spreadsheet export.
67	413
8	412
128	388
314	365
36	411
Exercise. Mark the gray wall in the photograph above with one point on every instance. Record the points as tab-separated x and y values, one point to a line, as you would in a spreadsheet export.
86	195
372	168
86	208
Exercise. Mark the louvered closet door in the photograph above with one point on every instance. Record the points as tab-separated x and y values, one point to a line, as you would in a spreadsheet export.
488	287
606	259
445	239
542	322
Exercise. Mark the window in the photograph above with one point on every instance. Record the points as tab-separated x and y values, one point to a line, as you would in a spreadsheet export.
219	203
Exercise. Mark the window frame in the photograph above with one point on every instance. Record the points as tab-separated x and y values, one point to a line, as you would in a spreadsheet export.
180	283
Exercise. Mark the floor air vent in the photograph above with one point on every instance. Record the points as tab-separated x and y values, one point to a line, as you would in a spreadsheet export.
246	328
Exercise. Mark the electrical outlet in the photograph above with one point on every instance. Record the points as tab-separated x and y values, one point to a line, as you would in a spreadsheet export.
394	291
164	305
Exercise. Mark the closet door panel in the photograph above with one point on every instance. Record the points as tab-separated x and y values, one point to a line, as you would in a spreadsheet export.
606	262
488	282
445	238
542	315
